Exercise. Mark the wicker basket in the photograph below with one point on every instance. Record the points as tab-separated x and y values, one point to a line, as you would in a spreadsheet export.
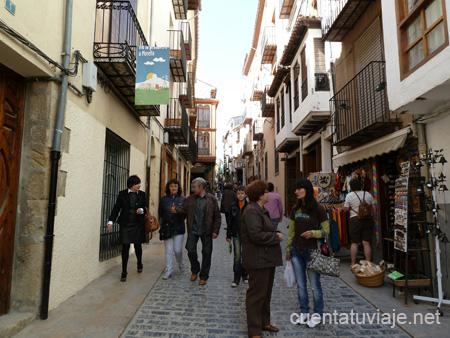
372	281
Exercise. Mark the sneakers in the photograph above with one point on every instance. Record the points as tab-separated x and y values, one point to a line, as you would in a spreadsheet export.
235	283
302	319
314	320
167	276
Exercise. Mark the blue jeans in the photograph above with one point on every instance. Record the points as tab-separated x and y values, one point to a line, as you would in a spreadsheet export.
238	269
300	259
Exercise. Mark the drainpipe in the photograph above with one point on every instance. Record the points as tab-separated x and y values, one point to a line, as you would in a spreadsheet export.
55	156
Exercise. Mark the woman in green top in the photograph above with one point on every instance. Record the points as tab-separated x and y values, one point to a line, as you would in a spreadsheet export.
306	218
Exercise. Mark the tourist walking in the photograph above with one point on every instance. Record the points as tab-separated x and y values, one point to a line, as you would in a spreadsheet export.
274	206
228	197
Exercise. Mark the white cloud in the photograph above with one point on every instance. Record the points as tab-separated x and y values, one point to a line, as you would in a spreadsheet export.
148	63
159	60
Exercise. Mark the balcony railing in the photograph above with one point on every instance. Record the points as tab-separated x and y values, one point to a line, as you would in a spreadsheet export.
190	151
257	130
360	109
186	29
340	16
117	33
178	61
267	104
269	45
176	122
180	8
185	92
286	8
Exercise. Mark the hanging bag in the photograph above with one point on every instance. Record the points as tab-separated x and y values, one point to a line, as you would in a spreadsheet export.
364	209
324	265
151	223
289	276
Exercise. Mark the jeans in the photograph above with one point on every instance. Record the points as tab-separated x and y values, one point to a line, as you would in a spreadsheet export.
300	259
275	221
174	245
238	269
207	246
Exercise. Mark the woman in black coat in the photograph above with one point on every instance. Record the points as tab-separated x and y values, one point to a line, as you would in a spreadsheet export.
131	205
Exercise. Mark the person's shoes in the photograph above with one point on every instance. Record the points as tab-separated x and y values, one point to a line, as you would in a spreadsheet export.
270	328
302	319
235	283
193	277
123	277
202	282
140	268
245	280
314	321
167	276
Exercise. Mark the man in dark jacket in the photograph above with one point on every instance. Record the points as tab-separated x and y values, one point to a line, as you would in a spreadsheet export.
228	197
203	222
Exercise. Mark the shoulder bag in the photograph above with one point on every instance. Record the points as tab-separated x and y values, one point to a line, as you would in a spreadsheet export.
151	223
324	265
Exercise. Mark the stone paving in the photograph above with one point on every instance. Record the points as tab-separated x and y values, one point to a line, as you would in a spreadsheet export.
181	308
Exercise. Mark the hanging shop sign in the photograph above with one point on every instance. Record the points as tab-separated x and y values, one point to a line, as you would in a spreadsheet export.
152	76
322	180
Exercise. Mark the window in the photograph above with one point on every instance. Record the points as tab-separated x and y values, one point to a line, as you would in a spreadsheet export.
422	32
304	75
282	109
277	159
203	116
238	135
115	175
278	115
203	143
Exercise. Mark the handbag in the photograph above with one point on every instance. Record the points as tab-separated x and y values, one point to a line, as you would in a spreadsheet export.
324	265
289	276
165	232
151	223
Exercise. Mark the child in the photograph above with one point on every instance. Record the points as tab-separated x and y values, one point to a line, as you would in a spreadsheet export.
234	231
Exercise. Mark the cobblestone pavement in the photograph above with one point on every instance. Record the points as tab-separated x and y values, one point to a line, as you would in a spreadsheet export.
181	308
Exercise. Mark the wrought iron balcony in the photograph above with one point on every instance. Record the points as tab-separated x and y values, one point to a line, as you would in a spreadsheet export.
267	104
340	16
286	8
257	91
192	119
176	122
360	111
185	92
180	8
117	33
193	4
190	150
186	29
178	61
269	45
257	130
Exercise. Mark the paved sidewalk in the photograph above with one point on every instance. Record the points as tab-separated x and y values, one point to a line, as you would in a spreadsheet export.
181	308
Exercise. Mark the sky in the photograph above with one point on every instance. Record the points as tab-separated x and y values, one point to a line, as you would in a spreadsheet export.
225	37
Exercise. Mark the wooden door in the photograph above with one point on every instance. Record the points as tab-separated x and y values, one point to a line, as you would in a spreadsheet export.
12	94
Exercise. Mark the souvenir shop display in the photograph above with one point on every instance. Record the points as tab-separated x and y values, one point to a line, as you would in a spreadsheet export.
401	210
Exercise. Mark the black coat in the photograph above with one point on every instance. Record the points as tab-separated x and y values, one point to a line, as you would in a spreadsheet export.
176	220
234	228
130	233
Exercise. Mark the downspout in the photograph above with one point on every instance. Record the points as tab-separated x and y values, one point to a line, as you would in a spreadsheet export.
55	156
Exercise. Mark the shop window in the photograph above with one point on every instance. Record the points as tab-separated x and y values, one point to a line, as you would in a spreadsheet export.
115	175
422	32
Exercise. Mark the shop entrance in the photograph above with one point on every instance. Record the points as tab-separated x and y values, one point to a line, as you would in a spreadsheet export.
12	94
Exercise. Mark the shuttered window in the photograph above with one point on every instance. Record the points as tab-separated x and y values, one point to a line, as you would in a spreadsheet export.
304	75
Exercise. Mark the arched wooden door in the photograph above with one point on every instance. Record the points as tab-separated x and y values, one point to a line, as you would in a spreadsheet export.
12	94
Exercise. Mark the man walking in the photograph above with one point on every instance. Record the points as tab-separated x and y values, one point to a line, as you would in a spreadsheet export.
228	198
203	222
274	206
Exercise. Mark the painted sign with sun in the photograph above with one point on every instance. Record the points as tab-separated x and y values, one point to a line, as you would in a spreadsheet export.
152	76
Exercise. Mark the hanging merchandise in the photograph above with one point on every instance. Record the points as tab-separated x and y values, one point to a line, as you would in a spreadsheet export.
401	209
375	198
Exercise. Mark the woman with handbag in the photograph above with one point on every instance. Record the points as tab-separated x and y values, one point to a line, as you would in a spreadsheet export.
131	205
172	226
306	218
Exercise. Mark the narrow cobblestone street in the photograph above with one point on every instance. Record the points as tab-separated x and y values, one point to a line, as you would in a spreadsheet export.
181	308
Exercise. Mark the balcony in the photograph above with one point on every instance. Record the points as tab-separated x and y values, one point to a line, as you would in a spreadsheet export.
192	119
185	92
286	8
117	33
180	8
250	113
176	122
190	150
360	111
340	16
257	91
248	148
193	4
269	45
257	130
178	61
186	29
267	104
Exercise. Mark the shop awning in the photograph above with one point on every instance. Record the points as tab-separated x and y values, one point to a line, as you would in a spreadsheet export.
380	146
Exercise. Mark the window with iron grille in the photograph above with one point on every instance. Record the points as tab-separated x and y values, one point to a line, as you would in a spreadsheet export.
277	159
265	167
304	75
116	170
